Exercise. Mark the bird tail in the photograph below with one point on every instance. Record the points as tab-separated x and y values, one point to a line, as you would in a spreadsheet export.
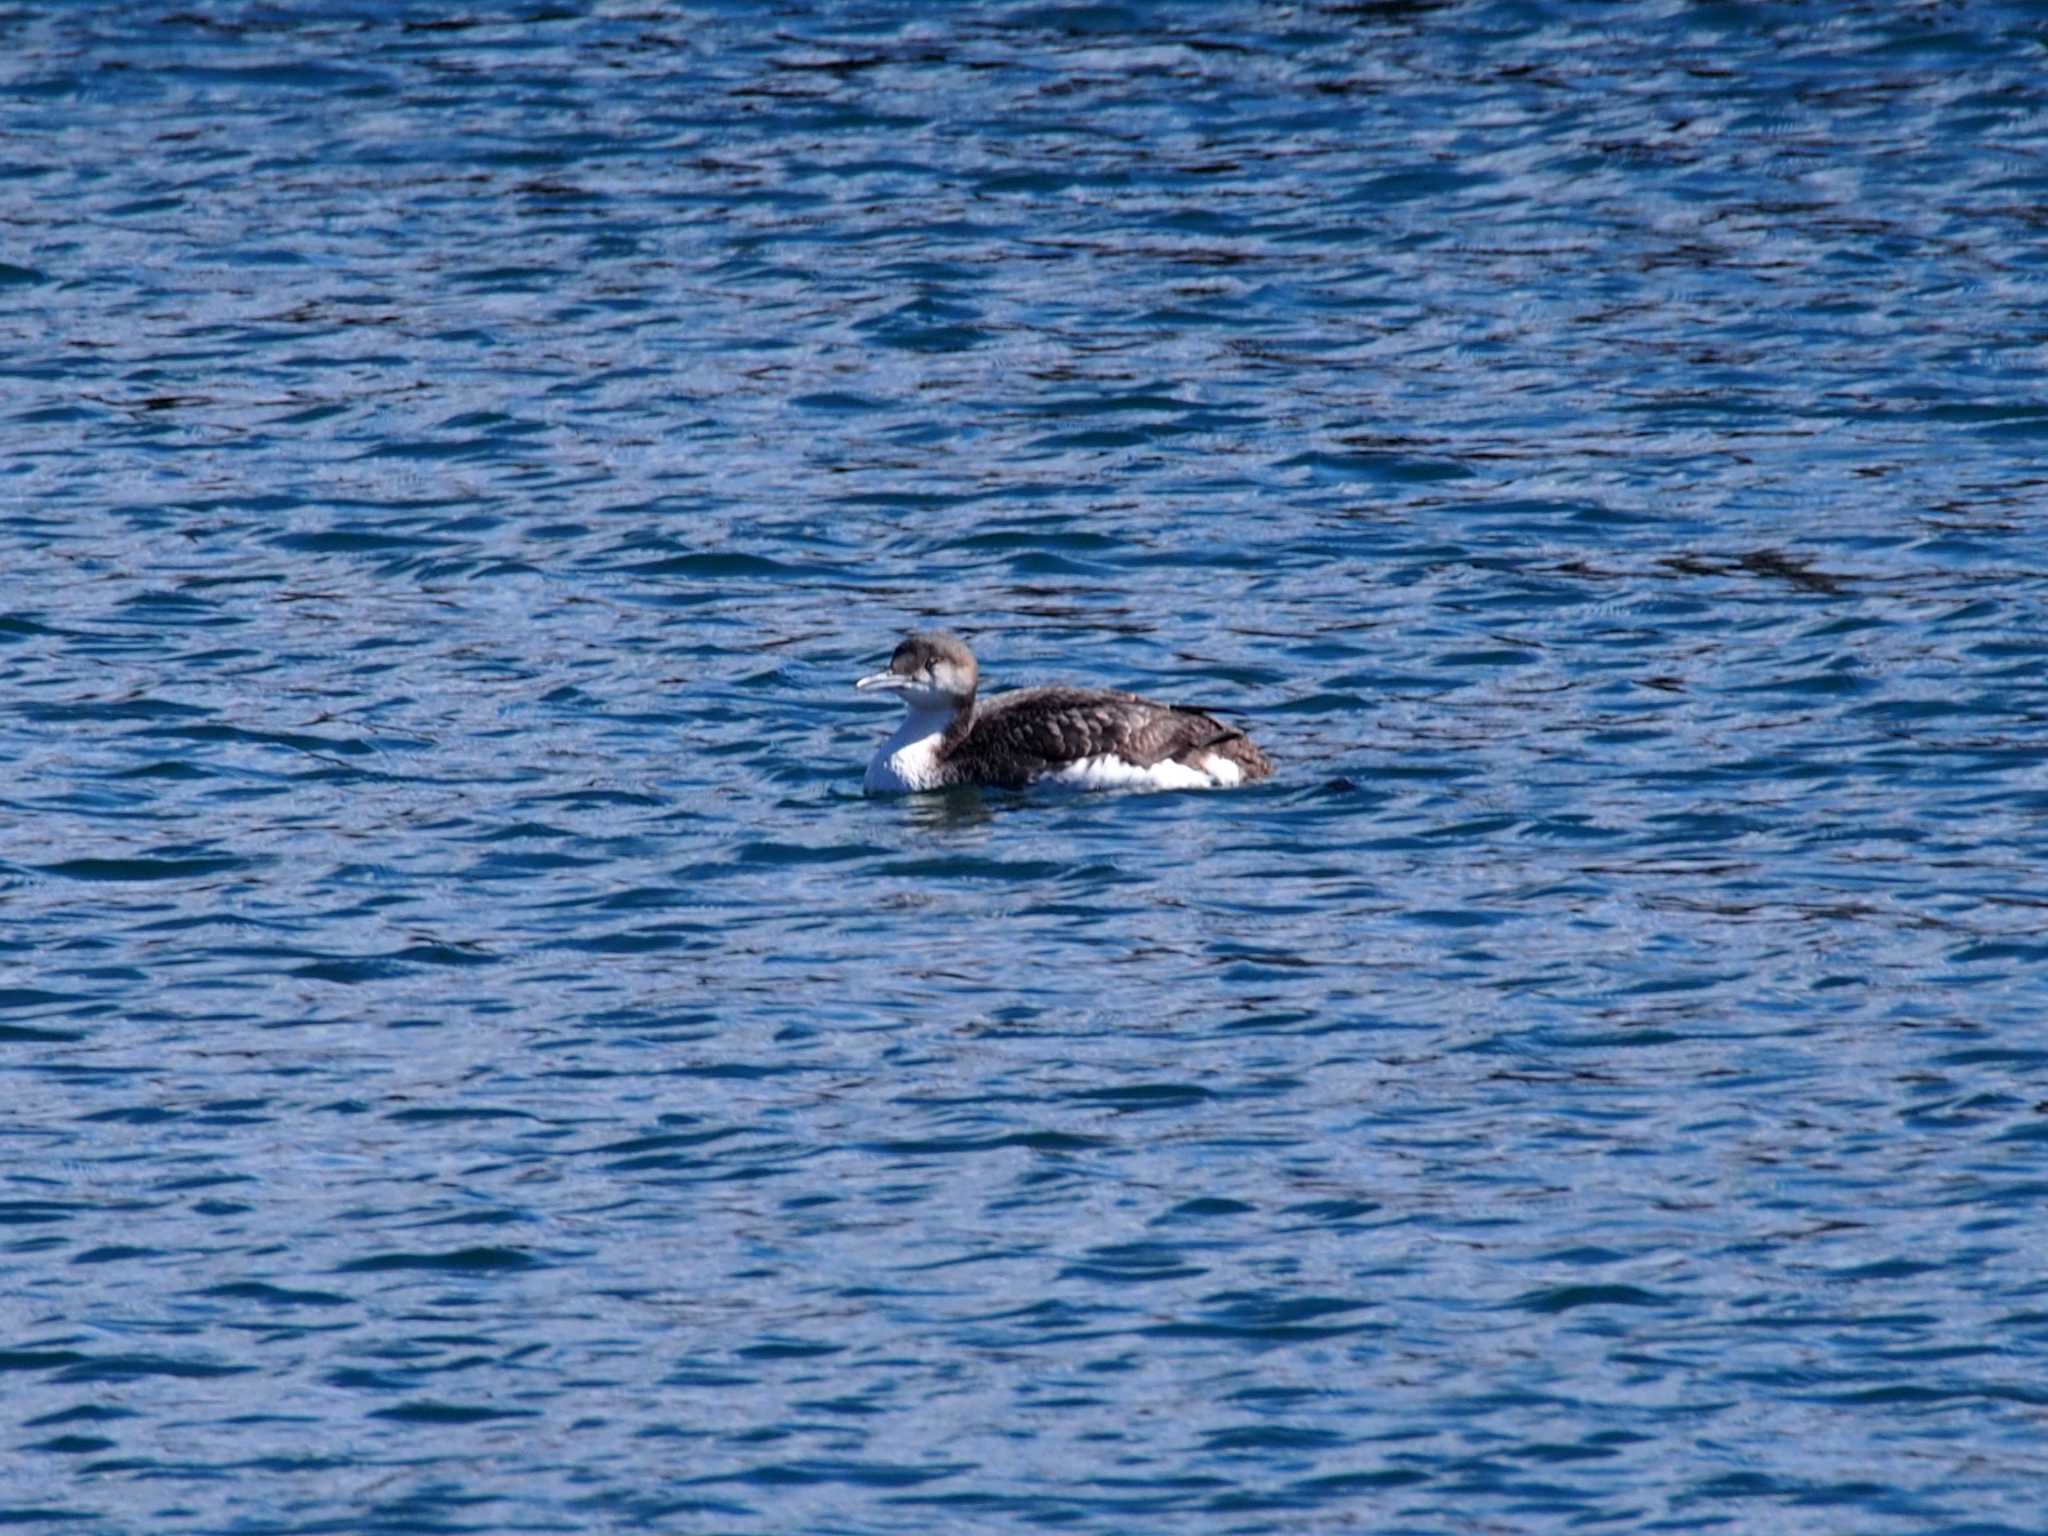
1232	745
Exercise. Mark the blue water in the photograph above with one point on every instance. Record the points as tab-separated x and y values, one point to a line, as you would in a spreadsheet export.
472	1059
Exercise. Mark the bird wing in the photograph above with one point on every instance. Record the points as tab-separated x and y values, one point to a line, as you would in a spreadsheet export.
1055	726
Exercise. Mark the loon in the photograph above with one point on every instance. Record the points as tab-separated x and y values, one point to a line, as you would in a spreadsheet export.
1086	737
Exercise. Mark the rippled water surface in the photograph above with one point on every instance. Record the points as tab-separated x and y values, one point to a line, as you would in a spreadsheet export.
474	1061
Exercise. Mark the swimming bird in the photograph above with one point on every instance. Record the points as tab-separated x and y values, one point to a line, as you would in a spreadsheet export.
1087	737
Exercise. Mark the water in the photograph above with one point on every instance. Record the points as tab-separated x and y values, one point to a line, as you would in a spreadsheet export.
474	1061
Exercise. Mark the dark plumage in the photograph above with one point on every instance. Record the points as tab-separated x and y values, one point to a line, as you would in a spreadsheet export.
952	736
1016	737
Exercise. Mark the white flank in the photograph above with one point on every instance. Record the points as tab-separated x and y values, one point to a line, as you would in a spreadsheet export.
1108	772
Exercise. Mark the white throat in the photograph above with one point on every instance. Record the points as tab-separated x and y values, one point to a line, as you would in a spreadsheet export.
909	760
